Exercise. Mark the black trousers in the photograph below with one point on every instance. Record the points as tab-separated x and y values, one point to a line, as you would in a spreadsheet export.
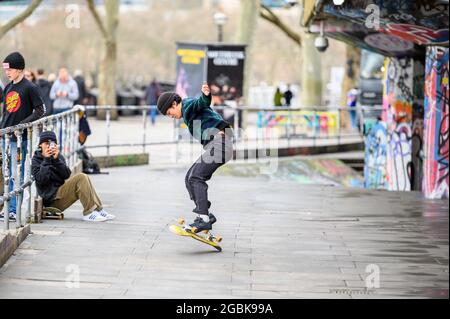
217	152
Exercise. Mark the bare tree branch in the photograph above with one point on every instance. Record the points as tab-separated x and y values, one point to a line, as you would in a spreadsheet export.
19	18
97	18
268	15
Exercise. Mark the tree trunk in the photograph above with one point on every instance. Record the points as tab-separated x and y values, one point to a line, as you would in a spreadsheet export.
107	73
311	83
107	79
247	25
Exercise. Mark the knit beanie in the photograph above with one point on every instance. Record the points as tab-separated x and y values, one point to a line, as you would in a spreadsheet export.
14	60
47	136
165	101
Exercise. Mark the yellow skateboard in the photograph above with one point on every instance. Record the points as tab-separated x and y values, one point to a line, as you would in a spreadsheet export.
204	236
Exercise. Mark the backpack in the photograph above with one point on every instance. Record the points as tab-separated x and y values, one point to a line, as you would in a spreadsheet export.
90	165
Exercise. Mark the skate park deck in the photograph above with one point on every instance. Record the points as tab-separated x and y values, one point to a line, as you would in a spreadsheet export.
283	239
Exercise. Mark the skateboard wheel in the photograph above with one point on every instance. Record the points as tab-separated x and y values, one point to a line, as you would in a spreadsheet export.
218	239
194	229
181	221
205	232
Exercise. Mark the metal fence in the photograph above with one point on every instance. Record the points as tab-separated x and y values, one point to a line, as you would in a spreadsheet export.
26	137
285	124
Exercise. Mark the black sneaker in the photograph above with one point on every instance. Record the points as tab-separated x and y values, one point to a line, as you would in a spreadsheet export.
212	218
200	225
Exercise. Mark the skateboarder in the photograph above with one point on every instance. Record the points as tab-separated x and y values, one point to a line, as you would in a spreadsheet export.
216	136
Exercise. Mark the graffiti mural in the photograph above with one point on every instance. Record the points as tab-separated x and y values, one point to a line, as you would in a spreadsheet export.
375	157
304	122
402	27
436	124
397	114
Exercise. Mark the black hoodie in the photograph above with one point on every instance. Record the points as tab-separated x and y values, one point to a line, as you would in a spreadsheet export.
49	174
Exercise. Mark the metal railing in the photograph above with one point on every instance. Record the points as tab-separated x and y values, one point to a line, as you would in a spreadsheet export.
296	123
66	127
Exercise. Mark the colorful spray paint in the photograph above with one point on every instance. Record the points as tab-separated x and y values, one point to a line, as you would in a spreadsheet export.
397	114
436	124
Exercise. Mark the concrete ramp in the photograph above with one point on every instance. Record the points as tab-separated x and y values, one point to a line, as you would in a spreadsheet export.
322	171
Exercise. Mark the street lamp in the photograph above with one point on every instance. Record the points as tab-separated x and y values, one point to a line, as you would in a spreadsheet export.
220	19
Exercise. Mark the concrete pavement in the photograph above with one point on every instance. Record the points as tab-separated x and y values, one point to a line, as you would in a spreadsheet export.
282	239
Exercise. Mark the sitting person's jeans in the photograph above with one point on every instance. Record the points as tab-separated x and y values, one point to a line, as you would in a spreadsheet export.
77	187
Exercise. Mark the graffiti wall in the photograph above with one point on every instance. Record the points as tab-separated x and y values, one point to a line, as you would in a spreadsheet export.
376	141
389	159
436	124
305	122
390	27
397	114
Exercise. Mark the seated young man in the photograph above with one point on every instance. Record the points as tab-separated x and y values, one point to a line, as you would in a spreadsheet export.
57	188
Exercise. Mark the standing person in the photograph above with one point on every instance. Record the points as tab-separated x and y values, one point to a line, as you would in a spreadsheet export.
51	79
215	134
352	98
81	84
22	103
30	76
152	94
64	92
288	95
45	87
277	97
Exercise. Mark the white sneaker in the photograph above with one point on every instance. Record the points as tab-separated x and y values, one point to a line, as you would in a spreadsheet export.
105	214
94	217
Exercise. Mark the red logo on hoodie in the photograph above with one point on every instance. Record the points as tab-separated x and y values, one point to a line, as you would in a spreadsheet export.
13	102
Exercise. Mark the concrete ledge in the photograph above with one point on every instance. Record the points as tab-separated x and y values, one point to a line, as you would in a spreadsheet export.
10	240
123	160
300	150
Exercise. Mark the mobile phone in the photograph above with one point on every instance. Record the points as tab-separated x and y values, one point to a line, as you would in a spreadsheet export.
52	145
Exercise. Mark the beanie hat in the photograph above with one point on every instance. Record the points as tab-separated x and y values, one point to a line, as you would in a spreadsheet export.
14	60
165	101
47	136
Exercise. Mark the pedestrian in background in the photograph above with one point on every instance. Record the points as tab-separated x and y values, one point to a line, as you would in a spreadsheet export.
81	84
277	97
288	96
64	92
30	76
45	87
152	94
352	98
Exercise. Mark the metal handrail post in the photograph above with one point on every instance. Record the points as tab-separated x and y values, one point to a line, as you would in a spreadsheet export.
6	177
108	133
144	134
18	178
315	127
28	164
339	125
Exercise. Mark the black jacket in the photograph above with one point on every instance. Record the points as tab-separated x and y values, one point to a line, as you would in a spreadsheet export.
45	87
49	174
